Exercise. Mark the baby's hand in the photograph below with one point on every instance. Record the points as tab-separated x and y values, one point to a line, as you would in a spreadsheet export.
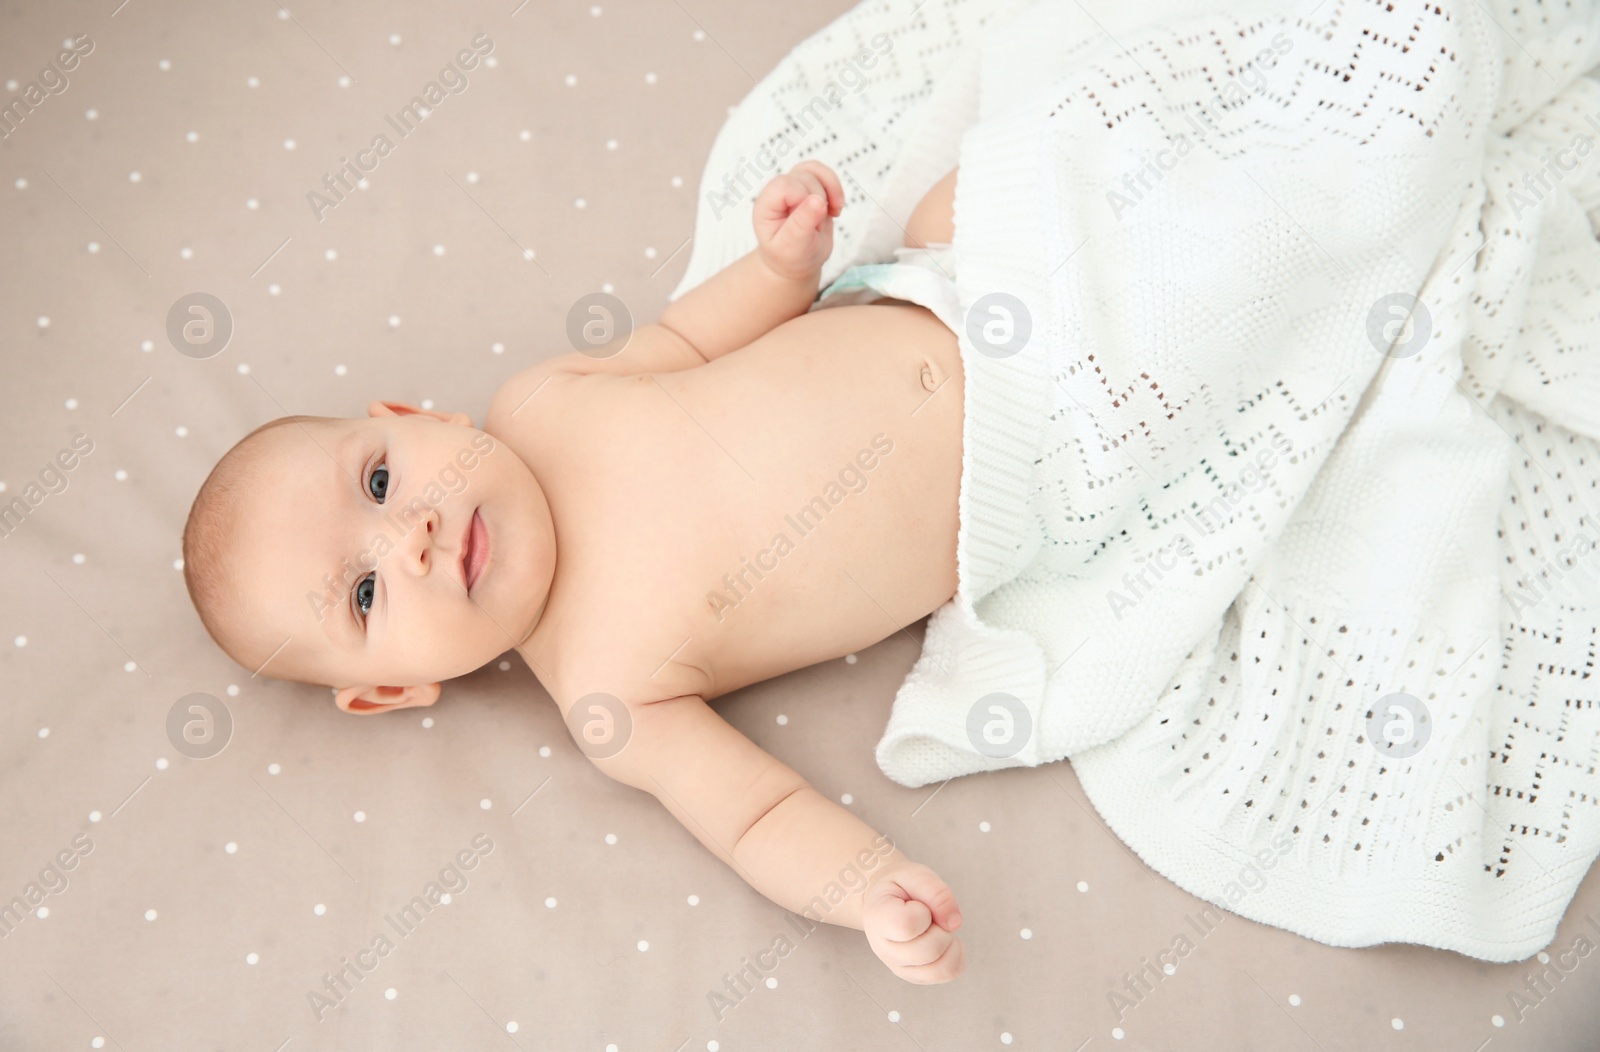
910	917
793	217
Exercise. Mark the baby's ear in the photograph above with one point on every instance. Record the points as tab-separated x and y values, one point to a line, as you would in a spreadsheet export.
381	408
364	701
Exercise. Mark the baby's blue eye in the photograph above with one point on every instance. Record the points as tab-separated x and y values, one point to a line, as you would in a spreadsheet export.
378	483
364	589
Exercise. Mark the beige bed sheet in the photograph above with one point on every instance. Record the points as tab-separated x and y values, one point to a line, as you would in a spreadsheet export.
188	902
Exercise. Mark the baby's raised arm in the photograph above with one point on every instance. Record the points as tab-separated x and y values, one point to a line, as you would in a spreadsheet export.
793	218
787	840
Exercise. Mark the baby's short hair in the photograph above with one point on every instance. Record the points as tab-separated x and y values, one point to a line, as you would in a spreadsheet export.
213	522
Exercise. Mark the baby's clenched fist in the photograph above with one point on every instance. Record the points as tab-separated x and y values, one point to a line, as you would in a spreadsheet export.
910	917
793	218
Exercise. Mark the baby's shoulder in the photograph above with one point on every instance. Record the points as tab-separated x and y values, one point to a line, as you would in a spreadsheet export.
543	381
605	670
624	363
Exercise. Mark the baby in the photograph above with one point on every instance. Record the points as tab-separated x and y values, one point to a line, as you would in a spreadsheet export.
649	527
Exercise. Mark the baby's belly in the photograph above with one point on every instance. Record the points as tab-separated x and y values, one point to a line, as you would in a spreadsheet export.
825	504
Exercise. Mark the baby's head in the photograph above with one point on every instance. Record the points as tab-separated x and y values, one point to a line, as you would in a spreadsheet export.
377	555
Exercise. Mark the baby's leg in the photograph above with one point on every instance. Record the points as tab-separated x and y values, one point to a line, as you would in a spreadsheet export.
931	221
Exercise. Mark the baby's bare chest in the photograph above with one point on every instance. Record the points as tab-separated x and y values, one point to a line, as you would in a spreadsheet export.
791	502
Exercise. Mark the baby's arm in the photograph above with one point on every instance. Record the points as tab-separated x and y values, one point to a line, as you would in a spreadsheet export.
786	839
775	282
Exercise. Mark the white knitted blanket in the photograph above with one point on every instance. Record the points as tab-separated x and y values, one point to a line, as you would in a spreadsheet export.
1282	438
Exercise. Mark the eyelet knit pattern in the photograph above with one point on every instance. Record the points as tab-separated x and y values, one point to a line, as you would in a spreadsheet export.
1282	524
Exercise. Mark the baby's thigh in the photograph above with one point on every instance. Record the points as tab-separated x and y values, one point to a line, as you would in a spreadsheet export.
933	220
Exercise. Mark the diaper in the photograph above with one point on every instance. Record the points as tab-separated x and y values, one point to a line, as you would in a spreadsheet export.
924	276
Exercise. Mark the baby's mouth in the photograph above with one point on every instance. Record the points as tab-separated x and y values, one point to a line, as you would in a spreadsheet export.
474	551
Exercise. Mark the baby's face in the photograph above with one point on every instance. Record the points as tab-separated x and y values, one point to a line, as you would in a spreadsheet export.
396	550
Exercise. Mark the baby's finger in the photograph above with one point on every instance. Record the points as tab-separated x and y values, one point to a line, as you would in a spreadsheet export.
920	882
779	197
828	184
801	225
949	965
900	919
924	949
808	179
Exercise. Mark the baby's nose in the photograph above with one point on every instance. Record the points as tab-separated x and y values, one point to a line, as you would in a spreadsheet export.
418	545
